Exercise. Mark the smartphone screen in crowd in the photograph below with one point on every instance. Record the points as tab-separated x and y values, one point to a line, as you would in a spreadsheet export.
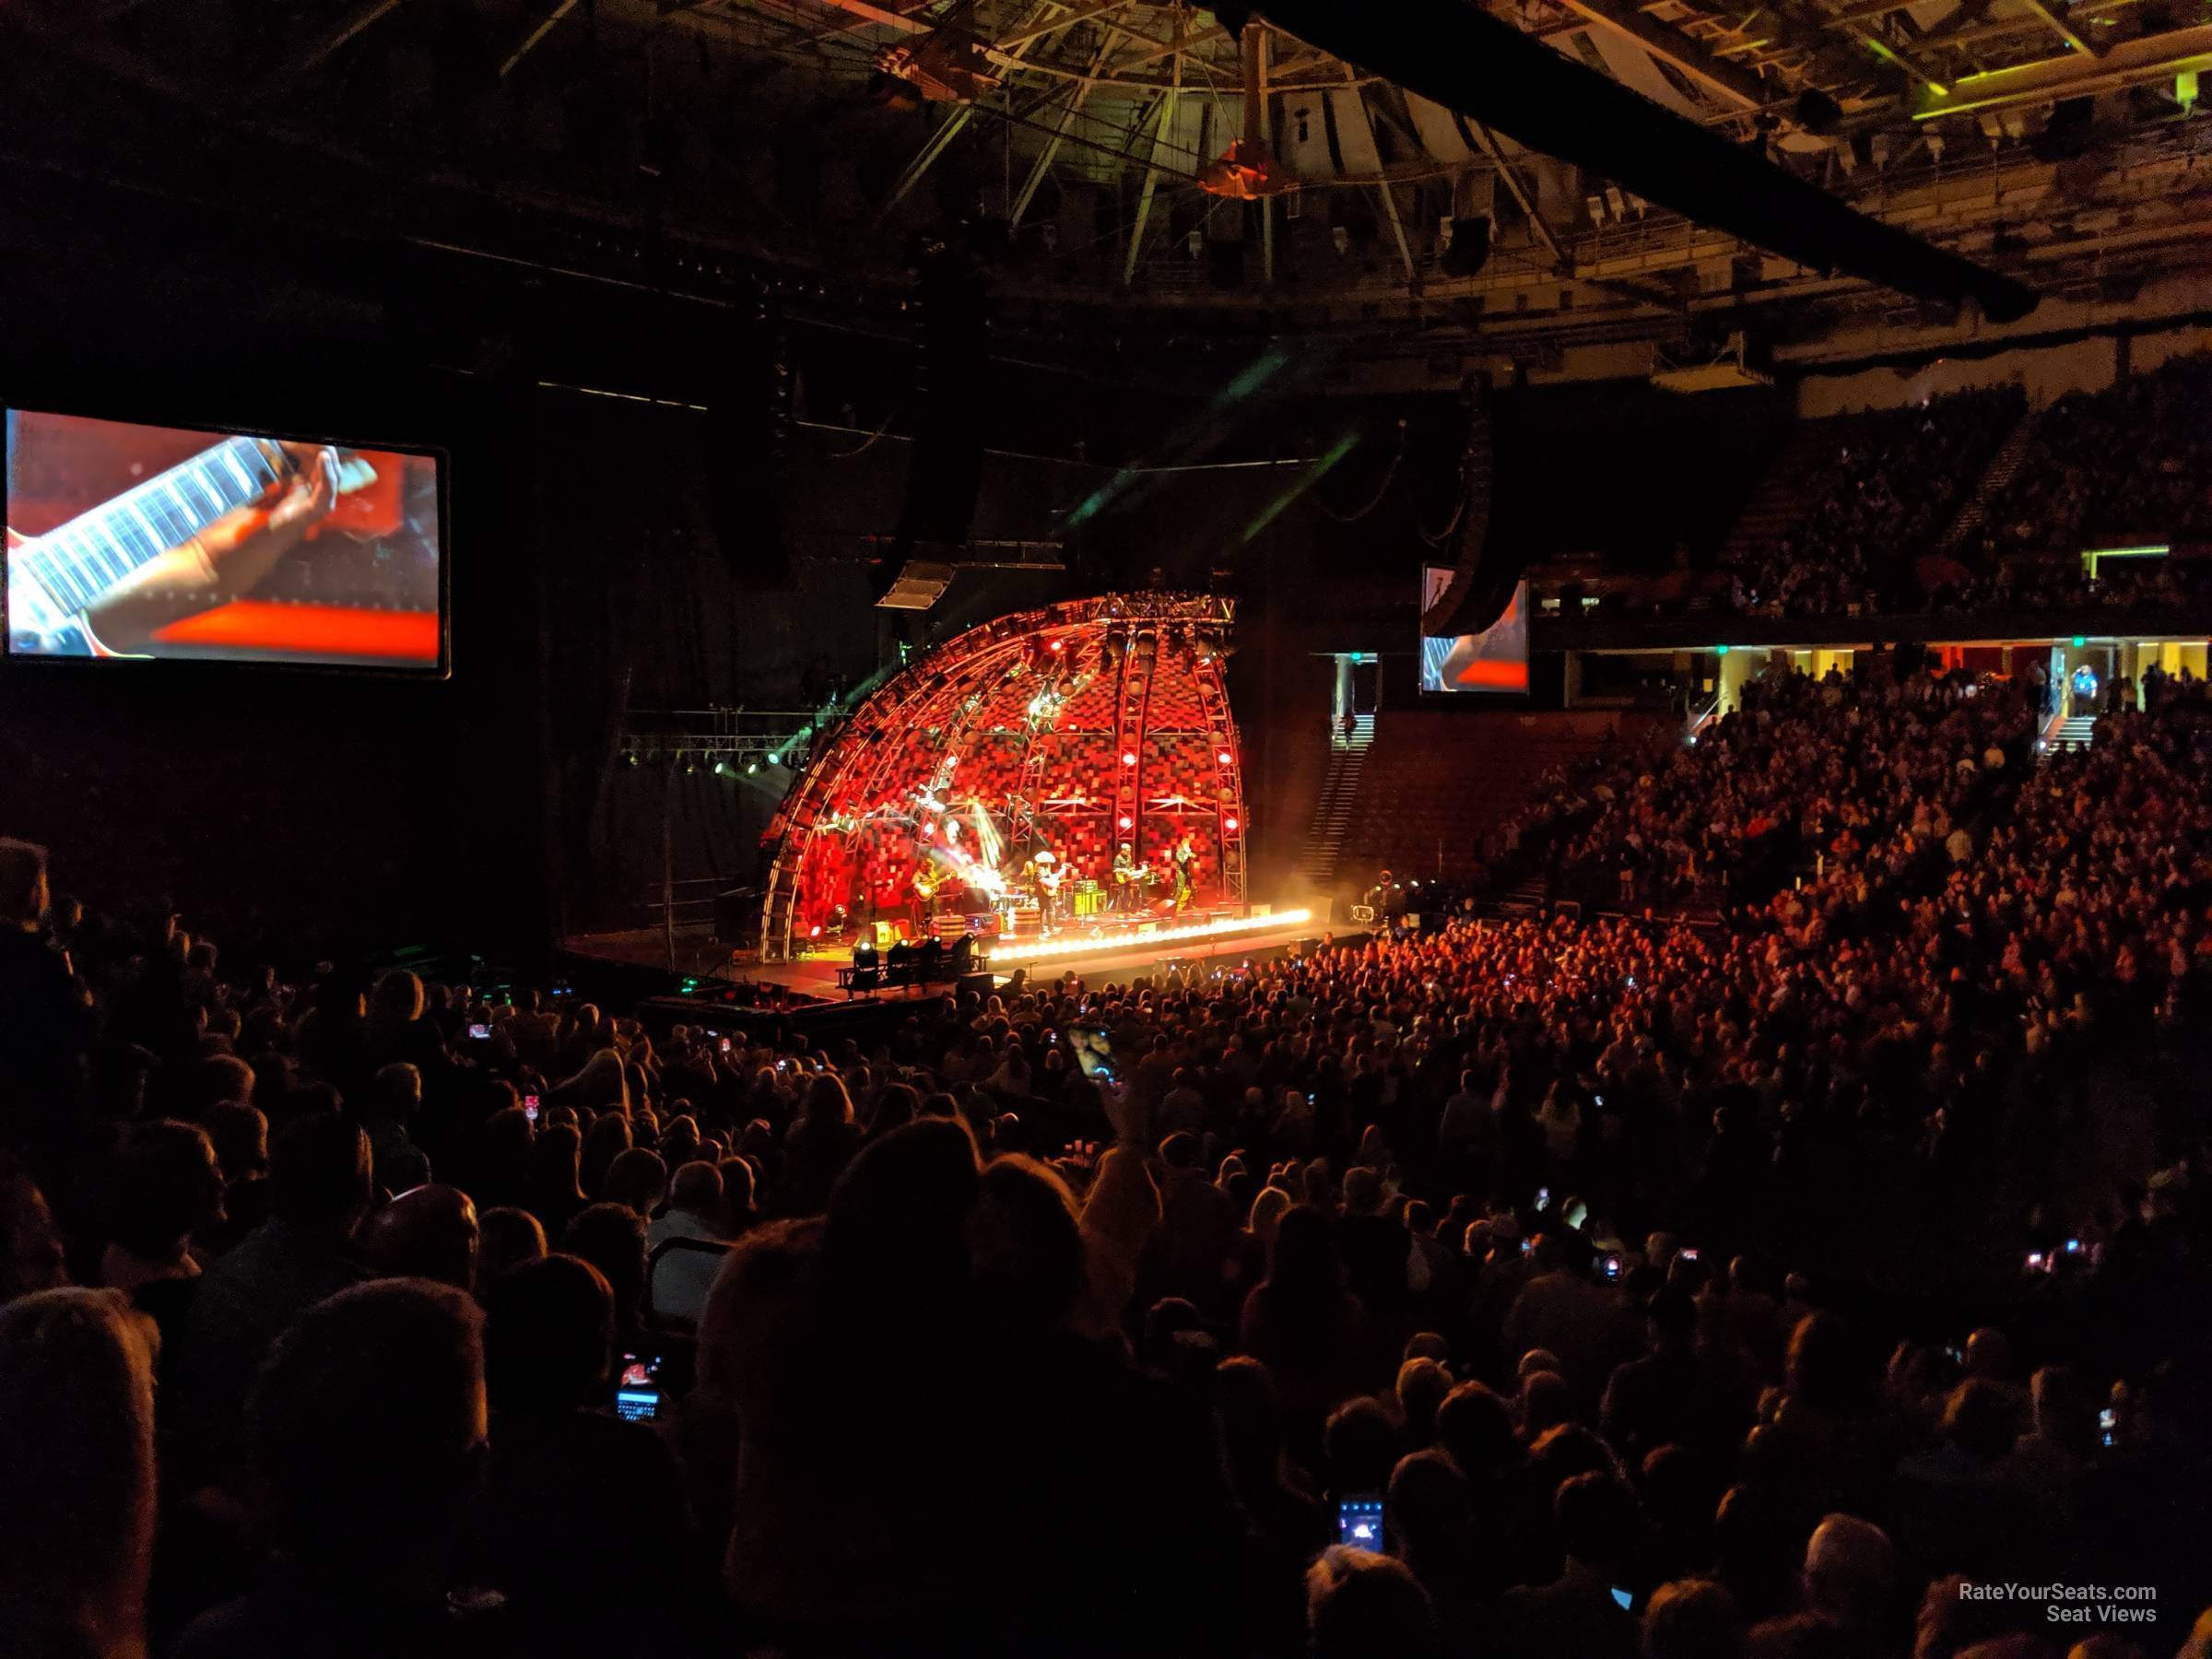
1359	1522
638	1388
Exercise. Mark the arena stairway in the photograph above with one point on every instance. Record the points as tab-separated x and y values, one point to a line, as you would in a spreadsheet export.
1339	795
2075	728
2004	467
1529	898
1778	500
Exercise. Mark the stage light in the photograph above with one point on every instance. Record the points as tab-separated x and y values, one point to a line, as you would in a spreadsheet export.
751	767
1229	823
1124	943
721	770
1128	756
1058	646
690	768
1225	758
1126	823
631	758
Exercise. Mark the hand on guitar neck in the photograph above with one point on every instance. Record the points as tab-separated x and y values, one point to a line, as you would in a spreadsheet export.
222	561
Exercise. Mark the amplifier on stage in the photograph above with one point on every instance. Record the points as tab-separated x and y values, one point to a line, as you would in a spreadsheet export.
736	915
1090	900
983	924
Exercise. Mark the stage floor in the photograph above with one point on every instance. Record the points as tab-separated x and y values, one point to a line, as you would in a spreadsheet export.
1120	954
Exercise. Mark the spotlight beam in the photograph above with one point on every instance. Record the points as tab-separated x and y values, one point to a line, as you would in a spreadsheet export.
1120	942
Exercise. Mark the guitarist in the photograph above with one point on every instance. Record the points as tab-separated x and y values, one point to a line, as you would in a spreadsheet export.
219	564
1047	865
1124	878
929	881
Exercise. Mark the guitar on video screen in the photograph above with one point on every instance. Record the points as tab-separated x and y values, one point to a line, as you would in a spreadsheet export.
173	561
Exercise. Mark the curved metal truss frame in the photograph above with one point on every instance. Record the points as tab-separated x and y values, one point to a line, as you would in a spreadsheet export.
945	690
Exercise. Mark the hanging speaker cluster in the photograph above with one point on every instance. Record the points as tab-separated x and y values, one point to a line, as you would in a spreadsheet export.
1482	581
747	425
945	471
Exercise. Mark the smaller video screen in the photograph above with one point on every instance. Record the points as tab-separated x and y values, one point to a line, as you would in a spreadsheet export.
1494	661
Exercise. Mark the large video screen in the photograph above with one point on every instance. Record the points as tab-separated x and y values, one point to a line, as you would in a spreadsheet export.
146	541
1495	660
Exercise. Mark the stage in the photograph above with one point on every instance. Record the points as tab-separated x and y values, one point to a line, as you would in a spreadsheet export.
1113	953
1073	762
1077	765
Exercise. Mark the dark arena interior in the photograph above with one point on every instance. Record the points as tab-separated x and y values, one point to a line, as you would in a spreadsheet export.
1310	829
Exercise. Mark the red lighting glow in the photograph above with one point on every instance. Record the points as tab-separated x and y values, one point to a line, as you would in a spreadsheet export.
871	806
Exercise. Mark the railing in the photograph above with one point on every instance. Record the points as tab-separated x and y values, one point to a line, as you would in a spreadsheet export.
1701	711
689	903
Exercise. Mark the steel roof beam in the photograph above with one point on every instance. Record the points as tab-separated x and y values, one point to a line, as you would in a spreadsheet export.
1738	85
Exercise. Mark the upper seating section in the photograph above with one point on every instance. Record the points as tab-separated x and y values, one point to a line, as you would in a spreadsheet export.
1880	491
1966	503
2130	464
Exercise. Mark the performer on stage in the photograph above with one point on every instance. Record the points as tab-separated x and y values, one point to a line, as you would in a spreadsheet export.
1125	893
929	887
1186	873
1047	865
1387	898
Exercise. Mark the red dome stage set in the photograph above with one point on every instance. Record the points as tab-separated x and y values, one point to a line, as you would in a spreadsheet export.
989	786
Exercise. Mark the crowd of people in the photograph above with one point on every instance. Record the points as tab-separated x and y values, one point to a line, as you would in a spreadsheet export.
1764	1289
1869	519
2127	463
2144	585
1883	496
